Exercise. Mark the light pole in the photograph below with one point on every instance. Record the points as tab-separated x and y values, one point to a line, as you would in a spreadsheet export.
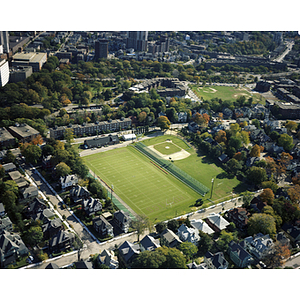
212	186
111	191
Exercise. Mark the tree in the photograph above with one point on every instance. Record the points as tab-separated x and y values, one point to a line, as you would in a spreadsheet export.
286	141
34	235
38	140
224	239
256	175
221	137
160	227
32	153
235	142
174	258
247	198
245	137
142	116
188	249
279	255
271	185
205	244
2	171
270	211
173	225
69	135
294	193
62	169
163	122
149	260
262	223
267	196
233	166
255	151
291	126
140	225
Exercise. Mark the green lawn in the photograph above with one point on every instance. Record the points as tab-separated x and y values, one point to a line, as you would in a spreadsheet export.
167	148
224	92
148	190
201	168
143	186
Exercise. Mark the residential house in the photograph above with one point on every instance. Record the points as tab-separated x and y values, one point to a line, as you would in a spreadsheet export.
193	265
169	238
250	128
123	220
46	215
108	258
28	194
293	232
129	251
102	226
251	161
193	127
182	117
5	225
11	247
239	255
259	246
200	225
2	210
283	239
215	261
223	158
83	264
9	167
239	216
149	243
78	193
257	204
52	227
187	234
61	241
227	113
52	266
19	179
47	162
37	205
68	181
90	206
216	222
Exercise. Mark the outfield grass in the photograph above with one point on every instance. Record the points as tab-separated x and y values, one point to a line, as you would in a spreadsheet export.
224	92
143	186
202	169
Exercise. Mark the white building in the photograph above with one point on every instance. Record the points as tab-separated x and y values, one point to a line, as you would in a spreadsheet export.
129	137
4	72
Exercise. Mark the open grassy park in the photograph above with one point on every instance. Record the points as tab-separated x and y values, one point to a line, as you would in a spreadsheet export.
149	190
230	93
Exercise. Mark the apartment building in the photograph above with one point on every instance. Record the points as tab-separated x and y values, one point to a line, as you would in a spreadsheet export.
91	128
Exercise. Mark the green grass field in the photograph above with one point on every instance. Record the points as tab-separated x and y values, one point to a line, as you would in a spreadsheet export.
142	185
224	92
150	191
201	168
167	148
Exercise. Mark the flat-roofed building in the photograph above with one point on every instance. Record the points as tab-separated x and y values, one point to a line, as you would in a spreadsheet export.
23	132
91	128
6	139
4	72
33	59
20	73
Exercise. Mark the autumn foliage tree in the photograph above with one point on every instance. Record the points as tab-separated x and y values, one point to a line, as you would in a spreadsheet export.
294	193
267	196
221	137
163	122
255	151
38	140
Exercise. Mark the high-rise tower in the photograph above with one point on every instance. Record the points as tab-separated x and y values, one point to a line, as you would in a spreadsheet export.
137	40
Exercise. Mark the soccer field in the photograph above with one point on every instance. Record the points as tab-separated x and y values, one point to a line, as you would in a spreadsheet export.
143	186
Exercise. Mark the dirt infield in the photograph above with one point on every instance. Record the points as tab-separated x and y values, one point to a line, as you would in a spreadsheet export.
175	156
